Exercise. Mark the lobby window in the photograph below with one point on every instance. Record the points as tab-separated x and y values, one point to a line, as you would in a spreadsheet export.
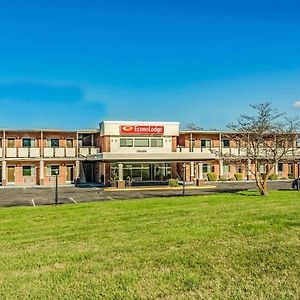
51	170
141	143
205	143
53	143
11	143
225	143
157	142
280	167
27	142
69	143
126	143
28	170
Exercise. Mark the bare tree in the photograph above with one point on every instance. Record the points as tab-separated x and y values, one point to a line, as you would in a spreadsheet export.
192	126
267	138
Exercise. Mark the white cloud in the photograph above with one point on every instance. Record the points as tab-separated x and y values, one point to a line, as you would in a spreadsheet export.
297	104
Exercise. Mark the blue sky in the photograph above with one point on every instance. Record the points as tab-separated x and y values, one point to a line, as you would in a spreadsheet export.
71	64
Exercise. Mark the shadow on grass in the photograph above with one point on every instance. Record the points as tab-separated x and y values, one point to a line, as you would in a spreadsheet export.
249	193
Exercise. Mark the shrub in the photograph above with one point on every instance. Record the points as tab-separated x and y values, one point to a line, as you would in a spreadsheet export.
173	182
238	176
291	176
283	178
273	177
212	176
232	179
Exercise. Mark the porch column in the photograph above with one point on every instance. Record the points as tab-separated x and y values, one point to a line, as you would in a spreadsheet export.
192	170
221	173
121	182
248	169
4	179
200	171
41	172
276	168
77	169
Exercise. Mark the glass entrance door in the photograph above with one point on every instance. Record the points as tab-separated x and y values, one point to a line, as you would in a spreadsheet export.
144	171
70	173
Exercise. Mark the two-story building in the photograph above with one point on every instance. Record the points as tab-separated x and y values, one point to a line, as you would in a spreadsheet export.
145	152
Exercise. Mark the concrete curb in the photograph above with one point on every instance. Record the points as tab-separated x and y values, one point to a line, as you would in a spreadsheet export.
135	189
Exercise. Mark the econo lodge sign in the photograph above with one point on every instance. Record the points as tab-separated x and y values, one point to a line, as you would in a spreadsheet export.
143	129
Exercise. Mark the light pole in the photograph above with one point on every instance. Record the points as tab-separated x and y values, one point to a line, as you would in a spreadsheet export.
183	184
298	181
56	187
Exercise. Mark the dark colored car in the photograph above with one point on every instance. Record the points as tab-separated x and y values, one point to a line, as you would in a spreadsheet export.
295	184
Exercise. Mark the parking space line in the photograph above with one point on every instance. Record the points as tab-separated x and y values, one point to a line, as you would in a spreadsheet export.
33	203
73	200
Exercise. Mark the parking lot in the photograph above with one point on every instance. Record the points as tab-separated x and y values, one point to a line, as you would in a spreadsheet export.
33	196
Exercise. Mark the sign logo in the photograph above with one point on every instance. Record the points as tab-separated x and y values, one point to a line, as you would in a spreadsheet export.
143	130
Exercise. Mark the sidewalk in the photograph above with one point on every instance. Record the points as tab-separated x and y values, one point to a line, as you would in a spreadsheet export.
159	188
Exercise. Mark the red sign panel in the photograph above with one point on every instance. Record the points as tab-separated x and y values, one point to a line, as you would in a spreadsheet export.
143	130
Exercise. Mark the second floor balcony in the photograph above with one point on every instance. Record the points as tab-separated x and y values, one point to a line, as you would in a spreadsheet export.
47	152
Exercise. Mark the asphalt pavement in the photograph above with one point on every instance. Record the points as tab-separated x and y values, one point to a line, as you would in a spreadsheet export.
33	196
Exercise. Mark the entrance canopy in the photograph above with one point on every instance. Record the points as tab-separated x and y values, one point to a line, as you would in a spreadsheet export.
151	157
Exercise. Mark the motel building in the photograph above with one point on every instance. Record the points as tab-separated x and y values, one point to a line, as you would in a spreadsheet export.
143	153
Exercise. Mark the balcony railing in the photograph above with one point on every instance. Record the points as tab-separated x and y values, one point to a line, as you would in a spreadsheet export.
59	152
48	152
28	152
84	151
197	150
11	152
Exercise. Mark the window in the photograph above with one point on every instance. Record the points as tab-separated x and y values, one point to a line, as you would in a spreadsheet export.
205	143
291	169
141	143
27	142
11	143
52	170
54	143
226	168
206	168
225	143
69	143
261	168
280	167
126	142
157	142
0	142
28	170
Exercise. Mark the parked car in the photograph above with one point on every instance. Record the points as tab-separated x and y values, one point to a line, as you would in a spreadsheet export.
295	184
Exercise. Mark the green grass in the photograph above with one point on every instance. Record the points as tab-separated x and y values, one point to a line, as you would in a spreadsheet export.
225	246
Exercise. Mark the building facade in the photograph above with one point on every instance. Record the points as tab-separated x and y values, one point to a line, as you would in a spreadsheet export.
143	152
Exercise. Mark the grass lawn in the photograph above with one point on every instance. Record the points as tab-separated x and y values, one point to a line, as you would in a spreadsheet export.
224	246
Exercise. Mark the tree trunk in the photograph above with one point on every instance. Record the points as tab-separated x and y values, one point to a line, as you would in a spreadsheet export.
264	189
262	186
